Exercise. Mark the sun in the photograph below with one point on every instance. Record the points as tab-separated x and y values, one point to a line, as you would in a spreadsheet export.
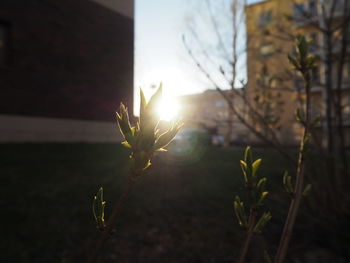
168	109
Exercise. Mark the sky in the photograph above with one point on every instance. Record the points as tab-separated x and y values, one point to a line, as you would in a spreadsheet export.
160	55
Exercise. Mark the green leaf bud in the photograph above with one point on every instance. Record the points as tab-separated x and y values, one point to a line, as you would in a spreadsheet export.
264	219
140	161
143	104
165	138
307	190
262	198
98	206
124	124
287	183
255	166
248	156
143	139
261	184
244	170
240	212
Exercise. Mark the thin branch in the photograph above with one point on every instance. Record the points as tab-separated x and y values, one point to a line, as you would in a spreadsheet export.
200	45
235	111
249	235
299	184
107	231
234	90
216	29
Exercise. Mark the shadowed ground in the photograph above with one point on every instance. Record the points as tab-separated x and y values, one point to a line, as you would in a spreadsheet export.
181	211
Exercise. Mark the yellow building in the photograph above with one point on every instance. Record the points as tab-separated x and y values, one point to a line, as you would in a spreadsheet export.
271	26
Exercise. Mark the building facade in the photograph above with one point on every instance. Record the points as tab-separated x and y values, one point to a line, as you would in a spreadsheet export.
210	111
65	66
271	26
267	67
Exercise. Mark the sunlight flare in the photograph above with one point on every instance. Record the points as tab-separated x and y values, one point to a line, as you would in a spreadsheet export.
168	109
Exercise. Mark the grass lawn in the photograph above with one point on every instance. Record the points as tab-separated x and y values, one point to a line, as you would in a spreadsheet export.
181	210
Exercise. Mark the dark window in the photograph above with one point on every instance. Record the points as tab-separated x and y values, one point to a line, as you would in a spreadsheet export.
314	41
314	37
265	19
339	5
316	75
4	44
312	8
298	11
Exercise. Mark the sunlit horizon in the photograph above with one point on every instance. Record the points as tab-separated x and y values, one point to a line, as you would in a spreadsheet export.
160	55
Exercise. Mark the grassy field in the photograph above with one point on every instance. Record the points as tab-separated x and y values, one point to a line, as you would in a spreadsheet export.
181	211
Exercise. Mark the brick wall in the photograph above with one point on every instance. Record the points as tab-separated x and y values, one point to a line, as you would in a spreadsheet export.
68	59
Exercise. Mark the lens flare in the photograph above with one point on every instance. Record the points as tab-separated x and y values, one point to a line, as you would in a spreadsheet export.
168	109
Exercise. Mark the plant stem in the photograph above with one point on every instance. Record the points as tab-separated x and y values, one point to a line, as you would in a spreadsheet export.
299	184
111	221
249	235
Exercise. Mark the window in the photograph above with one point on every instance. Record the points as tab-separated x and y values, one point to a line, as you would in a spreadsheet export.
265	19
4	44
313	37
316	75
267	49
298	11
339	5
312	8
219	103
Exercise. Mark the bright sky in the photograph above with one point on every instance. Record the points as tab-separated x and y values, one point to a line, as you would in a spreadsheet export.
160	55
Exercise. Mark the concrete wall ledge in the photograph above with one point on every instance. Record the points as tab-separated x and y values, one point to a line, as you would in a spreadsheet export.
37	129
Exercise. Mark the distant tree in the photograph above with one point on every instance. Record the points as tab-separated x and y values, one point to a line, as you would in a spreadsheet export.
220	59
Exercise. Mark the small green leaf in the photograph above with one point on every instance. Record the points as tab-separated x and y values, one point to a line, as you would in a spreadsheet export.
165	138
262	198
161	150
244	170
240	212
261	184
287	183
243	165
307	190
98	206
264	219
255	166
248	156
126	144
124	124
